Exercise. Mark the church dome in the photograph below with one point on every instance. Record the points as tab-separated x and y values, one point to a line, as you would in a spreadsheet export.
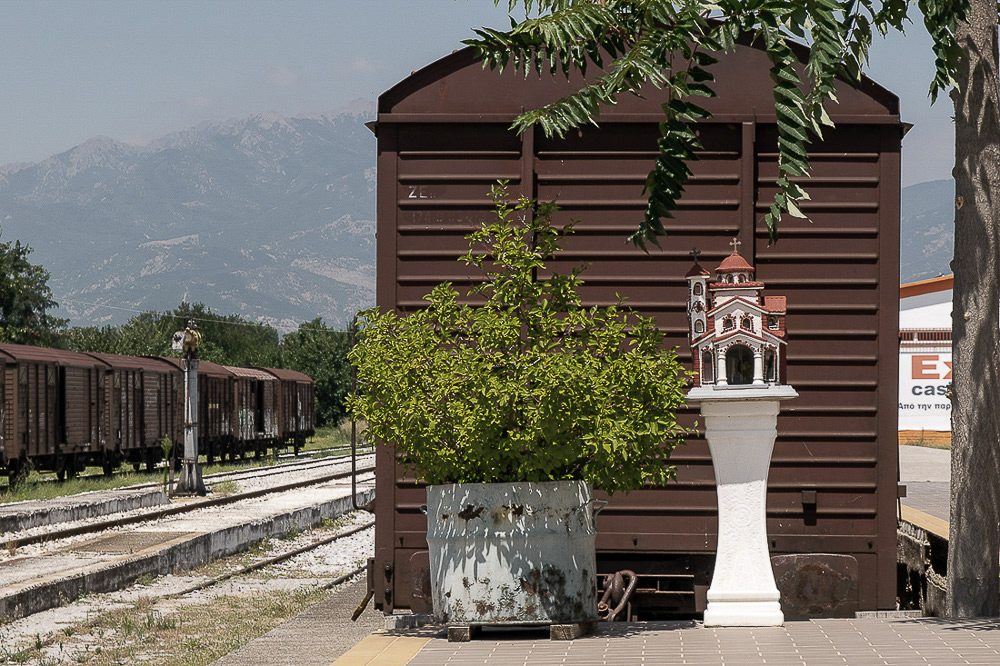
734	263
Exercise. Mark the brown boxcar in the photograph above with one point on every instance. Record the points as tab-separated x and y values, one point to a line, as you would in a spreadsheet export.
217	418
55	409
296	406
443	139
256	398
146	404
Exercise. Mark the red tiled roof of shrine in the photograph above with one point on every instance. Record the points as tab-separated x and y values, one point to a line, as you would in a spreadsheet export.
696	270
774	303
733	263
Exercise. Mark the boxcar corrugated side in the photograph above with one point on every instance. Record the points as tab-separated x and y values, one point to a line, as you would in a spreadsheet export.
146	404
256	396
296	409
443	139
57	412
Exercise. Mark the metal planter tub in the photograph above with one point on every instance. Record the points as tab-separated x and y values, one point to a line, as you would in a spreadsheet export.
512	553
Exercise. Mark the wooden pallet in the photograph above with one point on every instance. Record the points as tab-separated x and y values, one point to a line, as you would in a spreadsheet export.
557	632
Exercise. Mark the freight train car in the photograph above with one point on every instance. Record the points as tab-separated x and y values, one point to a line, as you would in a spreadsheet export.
145	405
296	409
256	397
55	410
218	418
62	411
443	138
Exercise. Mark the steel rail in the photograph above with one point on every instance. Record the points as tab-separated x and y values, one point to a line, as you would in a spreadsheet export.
172	511
275	560
52	639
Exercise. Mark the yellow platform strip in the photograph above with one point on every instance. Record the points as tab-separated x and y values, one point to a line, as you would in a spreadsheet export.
925	521
380	649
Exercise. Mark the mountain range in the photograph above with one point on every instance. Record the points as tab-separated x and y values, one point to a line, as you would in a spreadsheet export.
269	217
926	230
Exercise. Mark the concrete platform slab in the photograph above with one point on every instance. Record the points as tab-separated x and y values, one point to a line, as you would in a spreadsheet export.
112	561
18	516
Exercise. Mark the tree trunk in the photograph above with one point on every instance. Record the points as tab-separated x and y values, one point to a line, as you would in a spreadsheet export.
974	548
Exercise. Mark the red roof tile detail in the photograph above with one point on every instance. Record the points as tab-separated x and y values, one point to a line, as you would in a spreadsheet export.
774	303
696	270
733	263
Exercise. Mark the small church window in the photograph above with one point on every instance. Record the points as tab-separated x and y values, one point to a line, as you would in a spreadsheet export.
770	368
772	323
728	324
699	326
707	367
739	364
743	278
697	288
727	278
746	323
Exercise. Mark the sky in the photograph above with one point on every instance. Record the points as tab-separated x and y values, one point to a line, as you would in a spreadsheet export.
134	71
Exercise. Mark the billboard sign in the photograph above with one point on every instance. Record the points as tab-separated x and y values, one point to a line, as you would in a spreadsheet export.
923	382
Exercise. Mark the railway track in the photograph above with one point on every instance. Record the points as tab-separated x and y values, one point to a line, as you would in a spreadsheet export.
160	602
14	542
248	462
271	470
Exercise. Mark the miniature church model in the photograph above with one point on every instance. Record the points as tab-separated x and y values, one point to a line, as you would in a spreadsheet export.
736	333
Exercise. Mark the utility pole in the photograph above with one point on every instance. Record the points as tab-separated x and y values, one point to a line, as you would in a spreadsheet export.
186	342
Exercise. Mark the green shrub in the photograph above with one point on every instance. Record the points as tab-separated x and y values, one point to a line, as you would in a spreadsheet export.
528	386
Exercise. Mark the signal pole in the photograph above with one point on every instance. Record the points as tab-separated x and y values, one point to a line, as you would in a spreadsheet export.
186	342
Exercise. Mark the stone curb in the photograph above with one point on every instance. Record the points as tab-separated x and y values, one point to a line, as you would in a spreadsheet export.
26	515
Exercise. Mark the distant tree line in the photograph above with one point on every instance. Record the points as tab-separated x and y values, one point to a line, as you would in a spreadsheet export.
315	348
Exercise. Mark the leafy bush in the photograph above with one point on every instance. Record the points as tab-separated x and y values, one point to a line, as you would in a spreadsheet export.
528	386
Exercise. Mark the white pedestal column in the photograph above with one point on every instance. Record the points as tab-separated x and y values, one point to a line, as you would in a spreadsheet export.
740	426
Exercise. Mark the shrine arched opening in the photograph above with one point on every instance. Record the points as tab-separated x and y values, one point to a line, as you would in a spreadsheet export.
739	364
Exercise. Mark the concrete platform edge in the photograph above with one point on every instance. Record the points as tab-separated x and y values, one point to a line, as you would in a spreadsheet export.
17	521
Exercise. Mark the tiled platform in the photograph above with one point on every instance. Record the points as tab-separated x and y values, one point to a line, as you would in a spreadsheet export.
814	643
864	642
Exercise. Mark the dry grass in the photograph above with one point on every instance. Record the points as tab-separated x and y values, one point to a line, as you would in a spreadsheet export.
190	636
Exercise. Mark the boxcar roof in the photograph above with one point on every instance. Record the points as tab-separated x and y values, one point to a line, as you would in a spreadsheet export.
204	367
47	355
148	363
457	84
251	373
289	375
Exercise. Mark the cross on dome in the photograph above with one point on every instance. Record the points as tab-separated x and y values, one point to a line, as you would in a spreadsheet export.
695	253
736	245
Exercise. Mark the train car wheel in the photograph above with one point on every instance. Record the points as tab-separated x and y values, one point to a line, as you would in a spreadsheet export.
61	474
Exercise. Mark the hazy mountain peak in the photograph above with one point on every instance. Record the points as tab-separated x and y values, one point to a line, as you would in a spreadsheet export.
358	107
264	216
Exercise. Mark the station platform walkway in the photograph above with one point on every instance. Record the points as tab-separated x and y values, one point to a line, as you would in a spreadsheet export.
809	643
862	641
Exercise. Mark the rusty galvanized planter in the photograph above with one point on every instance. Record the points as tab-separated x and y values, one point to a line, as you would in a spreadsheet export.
512	553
